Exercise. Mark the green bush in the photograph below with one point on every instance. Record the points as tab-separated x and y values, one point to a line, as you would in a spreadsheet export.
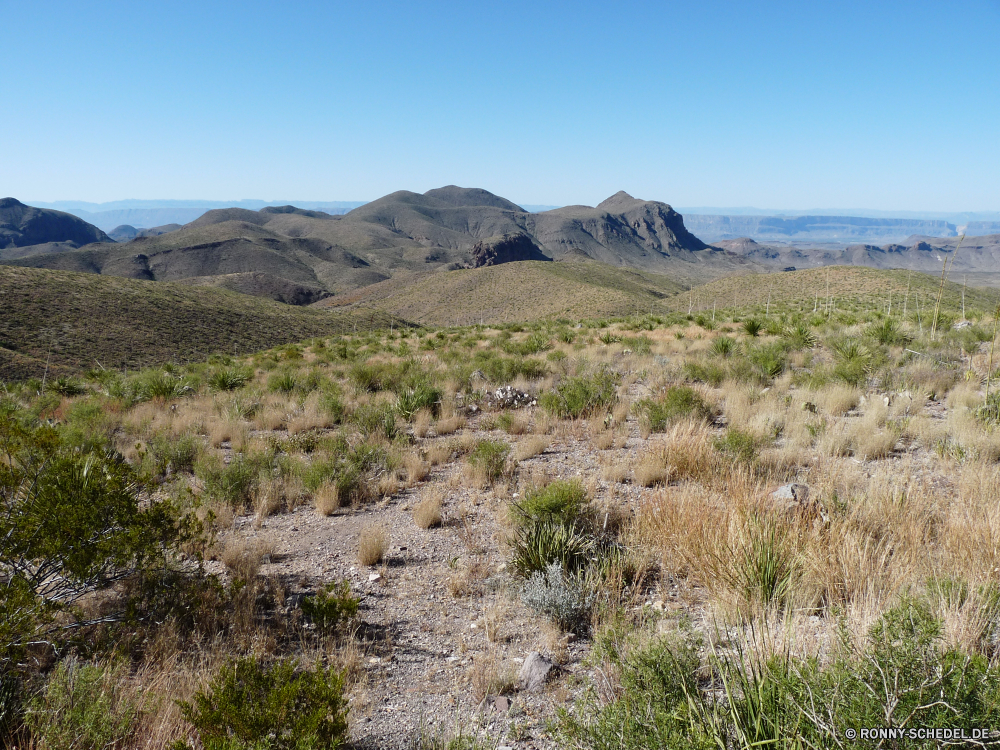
424	396
561	500
800	336
84	707
503	370
65	386
854	361
535	343
175	453
769	359
677	402
723	346
230	378
581	396
283	381
330	606
752	327
332	405
738	445
887	332
250	705
491	457
540	542
234	483
704	372
376	419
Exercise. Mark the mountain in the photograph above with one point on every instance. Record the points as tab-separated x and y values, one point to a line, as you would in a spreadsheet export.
298	255
975	255
125	232
24	226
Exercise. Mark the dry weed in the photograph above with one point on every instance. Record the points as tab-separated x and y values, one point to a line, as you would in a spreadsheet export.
372	545
422	423
489	675
243	557
427	513
531	446
327	499
416	468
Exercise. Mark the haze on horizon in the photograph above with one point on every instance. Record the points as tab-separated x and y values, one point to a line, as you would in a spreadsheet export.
890	107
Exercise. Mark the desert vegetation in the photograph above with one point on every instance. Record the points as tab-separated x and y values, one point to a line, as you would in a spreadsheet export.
740	526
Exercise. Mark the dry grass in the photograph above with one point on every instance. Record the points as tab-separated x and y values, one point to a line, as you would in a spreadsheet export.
427	513
422	423
449	425
490	675
327	499
838	399
531	446
416	468
372	544
243	557
651	469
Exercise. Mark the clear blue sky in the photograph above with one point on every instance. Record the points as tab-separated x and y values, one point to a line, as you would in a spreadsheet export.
885	105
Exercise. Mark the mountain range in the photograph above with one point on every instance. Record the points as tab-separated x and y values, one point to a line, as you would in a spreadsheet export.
300	256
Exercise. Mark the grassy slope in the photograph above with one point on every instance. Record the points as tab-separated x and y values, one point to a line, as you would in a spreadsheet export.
522	291
85	319
849	286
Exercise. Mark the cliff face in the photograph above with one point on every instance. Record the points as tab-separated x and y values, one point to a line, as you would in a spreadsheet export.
506	248
21	226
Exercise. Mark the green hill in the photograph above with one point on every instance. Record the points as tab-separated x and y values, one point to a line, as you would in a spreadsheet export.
78	321
521	291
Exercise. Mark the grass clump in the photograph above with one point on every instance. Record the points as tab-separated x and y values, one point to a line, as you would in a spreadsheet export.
251	705
489	458
738	445
332	605
230	378
678	402
539	543
427	513
582	396
372	545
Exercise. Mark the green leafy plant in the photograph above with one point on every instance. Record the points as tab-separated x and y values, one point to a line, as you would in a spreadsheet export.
332	605
562	500
539	543
490	456
251	705
230	378
677	402
581	396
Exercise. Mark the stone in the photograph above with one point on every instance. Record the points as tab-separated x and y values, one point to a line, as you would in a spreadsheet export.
502	704
534	672
374	577
794	499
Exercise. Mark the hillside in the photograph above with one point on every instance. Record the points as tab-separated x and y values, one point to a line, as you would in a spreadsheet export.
23	226
523	291
843	286
294	254
81	321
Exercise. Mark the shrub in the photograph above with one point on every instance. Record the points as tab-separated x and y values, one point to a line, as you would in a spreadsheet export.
738	445
427	513
490	457
84	707
800	336
887	332
539	543
769	360
704	372
676	403
535	343
331	404
579	397
174	453
565	599
282	382
424	396
559	501
752	327
230	378
251	705
498	369
376	419
853	360
330	606
723	346
234	483
65	386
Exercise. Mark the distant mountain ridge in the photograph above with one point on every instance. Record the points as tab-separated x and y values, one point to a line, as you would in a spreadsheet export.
298	255
838	229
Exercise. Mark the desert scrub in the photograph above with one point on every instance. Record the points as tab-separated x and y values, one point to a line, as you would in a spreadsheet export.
373	541
582	396
251	705
561	501
283	381
85	707
424	396
235	483
738	445
676	403
488	458
538	543
566	599
376	420
331	606
173	454
230	378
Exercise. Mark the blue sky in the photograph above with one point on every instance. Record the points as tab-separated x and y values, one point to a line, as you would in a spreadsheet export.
884	105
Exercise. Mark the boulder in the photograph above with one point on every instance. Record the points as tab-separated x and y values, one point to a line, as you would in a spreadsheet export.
534	672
